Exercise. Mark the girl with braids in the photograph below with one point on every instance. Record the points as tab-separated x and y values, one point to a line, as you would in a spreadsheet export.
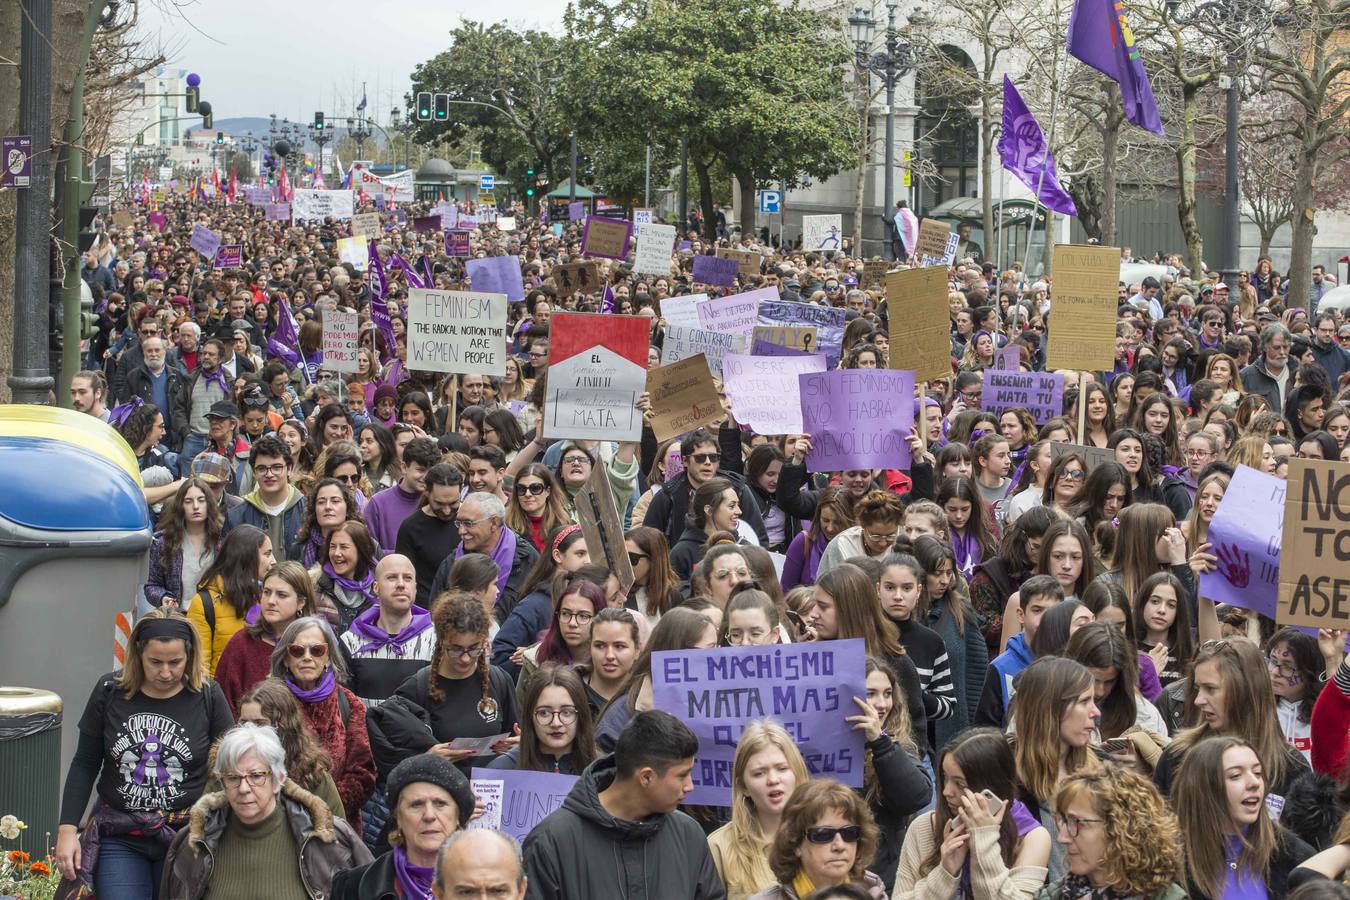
945	609
459	695
968	523
963	848
270	703
557	732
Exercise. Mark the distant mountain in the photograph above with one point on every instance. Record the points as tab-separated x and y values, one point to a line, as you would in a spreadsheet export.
238	127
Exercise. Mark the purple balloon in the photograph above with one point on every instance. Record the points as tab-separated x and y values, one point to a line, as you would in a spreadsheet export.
194	79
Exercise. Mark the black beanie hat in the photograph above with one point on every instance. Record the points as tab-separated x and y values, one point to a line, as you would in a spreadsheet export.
433	770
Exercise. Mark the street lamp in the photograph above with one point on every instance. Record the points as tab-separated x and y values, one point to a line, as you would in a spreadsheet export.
359	131
405	128
889	65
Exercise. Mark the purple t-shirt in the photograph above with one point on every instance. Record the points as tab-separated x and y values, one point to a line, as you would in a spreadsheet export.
386	511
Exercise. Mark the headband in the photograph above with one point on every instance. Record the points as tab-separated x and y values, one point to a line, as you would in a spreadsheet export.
165	630
562	536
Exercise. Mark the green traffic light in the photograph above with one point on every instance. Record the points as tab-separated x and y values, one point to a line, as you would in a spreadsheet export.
529	192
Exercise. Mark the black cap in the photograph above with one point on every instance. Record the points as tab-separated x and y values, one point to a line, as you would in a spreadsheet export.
222	409
432	769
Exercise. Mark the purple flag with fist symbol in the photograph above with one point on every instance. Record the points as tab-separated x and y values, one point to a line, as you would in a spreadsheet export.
1023	152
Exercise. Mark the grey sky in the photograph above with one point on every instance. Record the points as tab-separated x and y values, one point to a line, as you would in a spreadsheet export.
257	58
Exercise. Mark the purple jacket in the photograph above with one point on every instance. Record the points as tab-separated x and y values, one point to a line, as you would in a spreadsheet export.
802	560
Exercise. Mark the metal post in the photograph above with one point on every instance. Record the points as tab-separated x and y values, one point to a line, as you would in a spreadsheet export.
1232	223
684	183
890	123
647	180
572	187
30	381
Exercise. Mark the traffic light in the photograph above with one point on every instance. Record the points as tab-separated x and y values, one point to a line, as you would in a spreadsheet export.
220	138
424	106
442	107
208	120
318	121
194	96
87	235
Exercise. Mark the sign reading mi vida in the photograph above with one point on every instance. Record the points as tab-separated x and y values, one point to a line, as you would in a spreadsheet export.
457	331
806	688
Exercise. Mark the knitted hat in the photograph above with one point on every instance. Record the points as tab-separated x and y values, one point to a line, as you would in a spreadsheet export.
435	770
386	390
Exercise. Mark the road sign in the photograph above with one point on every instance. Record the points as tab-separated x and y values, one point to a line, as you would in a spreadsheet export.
771	202
16	166
486	182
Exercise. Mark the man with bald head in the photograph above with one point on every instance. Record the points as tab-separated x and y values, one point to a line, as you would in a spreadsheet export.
479	862
393	639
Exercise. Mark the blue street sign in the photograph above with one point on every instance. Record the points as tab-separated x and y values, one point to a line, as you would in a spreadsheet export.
771	201
486	182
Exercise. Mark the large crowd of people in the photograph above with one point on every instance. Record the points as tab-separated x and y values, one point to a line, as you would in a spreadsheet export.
364	586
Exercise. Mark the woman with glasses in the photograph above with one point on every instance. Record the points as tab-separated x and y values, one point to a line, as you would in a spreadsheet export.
329	504
270	704
308	659
557	733
566	552
655	584
346	578
879	515
1120	839
263	825
287	594
567	640
453	703
1299	665
537	504
826	837
1064	481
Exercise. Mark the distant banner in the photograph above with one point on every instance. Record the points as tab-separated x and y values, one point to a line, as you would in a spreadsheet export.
397	187
764	390
205	241
229	256
829	323
319	205
682	342
822	232
735	314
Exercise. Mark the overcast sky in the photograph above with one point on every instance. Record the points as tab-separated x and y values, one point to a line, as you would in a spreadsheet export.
257	58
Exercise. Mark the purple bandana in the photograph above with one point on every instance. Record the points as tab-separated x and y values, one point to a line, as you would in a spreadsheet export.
365	587
218	379
967	551
502	554
321	691
414	882
367	626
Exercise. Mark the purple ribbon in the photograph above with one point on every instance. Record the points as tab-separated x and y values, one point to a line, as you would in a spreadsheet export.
967	551
119	414
367	626
320	692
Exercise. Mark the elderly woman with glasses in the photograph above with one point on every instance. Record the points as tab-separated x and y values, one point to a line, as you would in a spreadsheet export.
308	660
262	828
826	838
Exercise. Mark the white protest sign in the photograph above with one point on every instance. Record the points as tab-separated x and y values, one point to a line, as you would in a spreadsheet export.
822	232
682	310
489	792
307	204
504	223
397	187
643	217
367	224
764	390
682	342
736	314
354	250
457	331
654	245
339	340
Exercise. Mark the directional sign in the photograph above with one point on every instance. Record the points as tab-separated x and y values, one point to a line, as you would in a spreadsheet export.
771	202
486	182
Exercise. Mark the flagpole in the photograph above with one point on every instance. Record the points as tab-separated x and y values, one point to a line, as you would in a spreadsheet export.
1049	150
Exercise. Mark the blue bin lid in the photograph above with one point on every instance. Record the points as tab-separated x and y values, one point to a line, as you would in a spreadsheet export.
56	486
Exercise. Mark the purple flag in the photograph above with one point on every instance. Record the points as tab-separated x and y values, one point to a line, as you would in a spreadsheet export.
379	309
1023	152
414	280
1100	37
607	300
285	340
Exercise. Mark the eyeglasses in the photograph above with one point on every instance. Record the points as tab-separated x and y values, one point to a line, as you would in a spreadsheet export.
472	652
635	558
1074	474
545	716
1283	669
971	397
577	461
150	332
702	458
461	524
232	780
300	651
534	354
348	479
819	834
275	469
1071	825
534	488
579	618
1198	452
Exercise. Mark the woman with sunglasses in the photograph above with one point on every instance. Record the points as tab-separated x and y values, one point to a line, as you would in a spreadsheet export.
557	733
655	585
567	640
827	837
537	504
1064	482
308	660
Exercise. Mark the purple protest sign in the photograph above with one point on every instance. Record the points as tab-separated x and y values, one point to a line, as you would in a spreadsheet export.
229	256
1040	392
277	212
204	241
155	220
1008	359
496	275
761	347
457	243
526	798
576	211
684	246
257	196
857	418
807	688
1245	534
423	224
16	160
715	270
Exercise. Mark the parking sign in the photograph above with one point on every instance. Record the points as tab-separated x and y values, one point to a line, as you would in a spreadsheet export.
771	201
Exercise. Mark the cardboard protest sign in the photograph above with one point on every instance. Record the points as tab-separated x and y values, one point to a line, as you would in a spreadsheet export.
734	314
607	238
449	215
1092	456
683	397
857	418
822	232
205	241
799	339
874	273
1315	546
714	270
457	331
354	250
526	797
828	322
602	528
764	390
747	261
367	224
577	276
682	342
1040	392
310	204
339	340
229	256
597	368
123	219
654	246
932	239
807	688
919	322
496	275
457	244
1245	535
761	347
1083	308
682	310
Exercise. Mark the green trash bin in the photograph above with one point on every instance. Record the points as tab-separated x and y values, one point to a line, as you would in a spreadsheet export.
30	760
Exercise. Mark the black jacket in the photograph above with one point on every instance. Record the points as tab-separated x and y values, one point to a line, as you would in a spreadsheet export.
521	564
176	389
904	789
670	506
686	553
580	850
373	881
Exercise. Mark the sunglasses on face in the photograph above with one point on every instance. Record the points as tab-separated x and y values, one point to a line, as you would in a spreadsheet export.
635	558
300	651
819	834
534	488
703	458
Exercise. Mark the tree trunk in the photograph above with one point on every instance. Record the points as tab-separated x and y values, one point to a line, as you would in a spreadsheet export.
1267	235
745	180
992	250
1048	251
705	198
1185	153
1305	208
860	190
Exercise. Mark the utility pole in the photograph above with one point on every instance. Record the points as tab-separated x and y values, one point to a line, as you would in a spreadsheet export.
572	190
31	380
684	183
647	179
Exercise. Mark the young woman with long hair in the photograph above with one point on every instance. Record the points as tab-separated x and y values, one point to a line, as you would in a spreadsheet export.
1101	418
557	733
998	577
330	502
963	848
1223	370
1028	487
1128	446
1064	482
767	768
1150	542
945	609
1255	451
655	585
762	468
270	704
833	514
184	546
969	525
715	506
477	574
346	579
1233	848
1018	428
1208	495
501	429
229	588
900	588
1298	663
566	640
379	459
1114	664
616	642
537	504
566	552
1105	493
287	594
1163	623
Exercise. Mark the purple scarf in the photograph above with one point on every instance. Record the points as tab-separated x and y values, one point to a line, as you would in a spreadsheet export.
321	691
414	882
502	555
364	587
967	551
367	626
218	379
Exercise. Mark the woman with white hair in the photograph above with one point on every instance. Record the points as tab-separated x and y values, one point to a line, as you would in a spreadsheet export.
257	829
